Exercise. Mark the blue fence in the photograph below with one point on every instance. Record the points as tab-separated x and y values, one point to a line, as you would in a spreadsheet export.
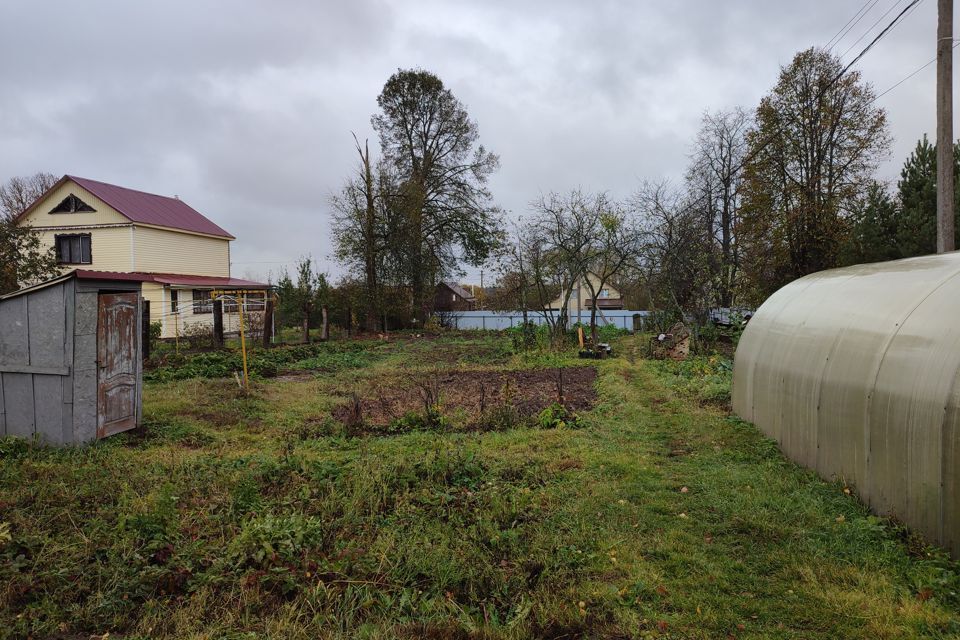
498	321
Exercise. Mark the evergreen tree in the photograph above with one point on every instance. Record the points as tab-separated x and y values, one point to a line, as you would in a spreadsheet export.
873	229
916	233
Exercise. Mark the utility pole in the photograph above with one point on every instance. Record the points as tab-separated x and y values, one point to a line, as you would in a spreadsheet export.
945	232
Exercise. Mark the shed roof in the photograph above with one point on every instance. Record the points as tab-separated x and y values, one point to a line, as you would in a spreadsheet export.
144	208
174	279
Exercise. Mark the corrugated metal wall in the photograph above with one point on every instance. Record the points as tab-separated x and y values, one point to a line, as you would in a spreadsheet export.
854	372
498	321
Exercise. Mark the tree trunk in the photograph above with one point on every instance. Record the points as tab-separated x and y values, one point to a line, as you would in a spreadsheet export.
324	326
593	324
370	244
306	329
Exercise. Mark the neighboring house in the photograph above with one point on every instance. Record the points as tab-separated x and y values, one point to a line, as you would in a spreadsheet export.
581	299
450	296
180	255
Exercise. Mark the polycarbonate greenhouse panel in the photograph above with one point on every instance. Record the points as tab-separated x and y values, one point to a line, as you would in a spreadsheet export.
854	372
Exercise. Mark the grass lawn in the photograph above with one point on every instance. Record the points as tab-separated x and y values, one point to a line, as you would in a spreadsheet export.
450	498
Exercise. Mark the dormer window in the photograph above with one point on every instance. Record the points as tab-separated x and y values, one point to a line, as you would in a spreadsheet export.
72	204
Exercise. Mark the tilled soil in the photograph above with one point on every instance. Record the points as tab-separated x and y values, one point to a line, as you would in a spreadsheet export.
474	392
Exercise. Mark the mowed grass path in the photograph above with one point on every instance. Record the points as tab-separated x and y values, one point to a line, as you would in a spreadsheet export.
243	517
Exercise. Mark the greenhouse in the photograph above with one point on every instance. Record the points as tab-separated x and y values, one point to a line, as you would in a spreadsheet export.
854	371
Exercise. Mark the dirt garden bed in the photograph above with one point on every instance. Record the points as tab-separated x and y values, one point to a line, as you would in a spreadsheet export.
470	394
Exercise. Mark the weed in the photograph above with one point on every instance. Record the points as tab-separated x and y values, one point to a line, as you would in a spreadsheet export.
556	416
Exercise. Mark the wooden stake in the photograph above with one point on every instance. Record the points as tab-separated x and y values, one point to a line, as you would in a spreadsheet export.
243	345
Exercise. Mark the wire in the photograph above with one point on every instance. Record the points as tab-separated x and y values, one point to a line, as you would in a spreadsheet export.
845	29
766	142
880	35
910	6
915	72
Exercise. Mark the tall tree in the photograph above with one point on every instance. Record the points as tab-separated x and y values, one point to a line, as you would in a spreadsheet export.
817	140
714	180
23	258
442	170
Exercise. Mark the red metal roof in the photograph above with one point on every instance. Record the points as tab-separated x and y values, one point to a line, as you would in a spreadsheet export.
172	279
149	208
207	281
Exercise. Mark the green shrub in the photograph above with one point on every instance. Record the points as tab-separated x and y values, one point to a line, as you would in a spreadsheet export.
262	363
557	416
706	378
270	540
528	336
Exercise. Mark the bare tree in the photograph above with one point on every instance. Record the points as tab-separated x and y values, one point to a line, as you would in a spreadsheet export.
18	193
359	229
677	245
617	243
714	182
563	244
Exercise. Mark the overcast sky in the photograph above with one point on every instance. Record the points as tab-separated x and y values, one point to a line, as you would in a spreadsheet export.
244	108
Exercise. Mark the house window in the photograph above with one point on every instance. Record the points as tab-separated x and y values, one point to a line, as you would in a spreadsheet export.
174	300
252	302
202	302
454	297
605	293
72	204
73	248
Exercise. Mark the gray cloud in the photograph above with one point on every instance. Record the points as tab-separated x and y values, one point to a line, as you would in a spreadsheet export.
245	108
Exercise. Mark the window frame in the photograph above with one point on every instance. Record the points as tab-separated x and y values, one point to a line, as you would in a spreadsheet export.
202	304
58	249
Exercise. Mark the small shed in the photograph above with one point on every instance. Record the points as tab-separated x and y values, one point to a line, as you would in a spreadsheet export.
856	373
70	365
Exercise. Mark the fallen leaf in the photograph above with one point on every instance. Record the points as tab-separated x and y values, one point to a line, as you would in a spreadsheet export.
684	490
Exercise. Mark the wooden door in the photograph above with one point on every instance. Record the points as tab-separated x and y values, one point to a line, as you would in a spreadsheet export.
116	363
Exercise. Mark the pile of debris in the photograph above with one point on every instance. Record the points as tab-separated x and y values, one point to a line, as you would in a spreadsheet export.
674	345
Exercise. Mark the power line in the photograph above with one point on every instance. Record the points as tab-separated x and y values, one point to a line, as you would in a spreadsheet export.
910	6
769	139
851	23
915	72
880	35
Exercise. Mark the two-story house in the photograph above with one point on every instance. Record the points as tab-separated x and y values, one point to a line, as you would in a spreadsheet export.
178	254
581	298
